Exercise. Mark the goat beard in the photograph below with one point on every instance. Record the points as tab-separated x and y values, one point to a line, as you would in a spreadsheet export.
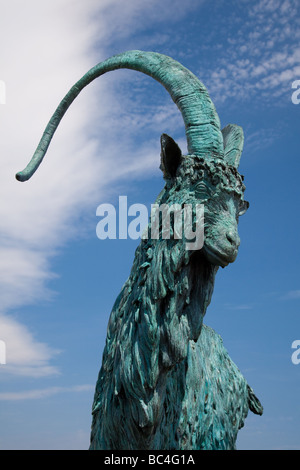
159	310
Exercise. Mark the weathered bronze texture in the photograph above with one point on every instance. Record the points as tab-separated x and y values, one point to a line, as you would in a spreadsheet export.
166	380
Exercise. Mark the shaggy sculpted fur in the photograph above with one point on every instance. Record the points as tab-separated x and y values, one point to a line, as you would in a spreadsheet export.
166	381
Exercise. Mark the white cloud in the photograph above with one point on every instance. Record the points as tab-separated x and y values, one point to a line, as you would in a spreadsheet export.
23	273
124	18
36	218
25	355
49	47
43	393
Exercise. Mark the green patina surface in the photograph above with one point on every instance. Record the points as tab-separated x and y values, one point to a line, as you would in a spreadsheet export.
166	380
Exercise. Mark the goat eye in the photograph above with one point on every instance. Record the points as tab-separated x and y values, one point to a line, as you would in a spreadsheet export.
202	191
244	205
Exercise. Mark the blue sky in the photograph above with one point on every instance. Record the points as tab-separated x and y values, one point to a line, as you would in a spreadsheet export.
58	281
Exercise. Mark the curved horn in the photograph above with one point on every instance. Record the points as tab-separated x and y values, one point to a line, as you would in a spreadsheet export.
202	125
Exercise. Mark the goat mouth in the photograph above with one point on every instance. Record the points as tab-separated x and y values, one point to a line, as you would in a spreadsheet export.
217	258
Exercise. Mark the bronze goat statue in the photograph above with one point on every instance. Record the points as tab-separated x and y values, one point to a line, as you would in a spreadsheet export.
166	381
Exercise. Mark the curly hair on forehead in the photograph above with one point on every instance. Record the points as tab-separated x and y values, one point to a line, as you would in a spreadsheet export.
194	169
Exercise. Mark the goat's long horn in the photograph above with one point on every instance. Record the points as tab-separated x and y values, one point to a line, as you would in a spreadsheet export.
204	137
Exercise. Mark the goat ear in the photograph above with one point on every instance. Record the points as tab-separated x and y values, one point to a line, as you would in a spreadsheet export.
233	138
171	156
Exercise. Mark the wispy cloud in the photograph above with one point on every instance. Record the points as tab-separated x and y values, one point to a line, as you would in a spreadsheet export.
293	294
126	20
43	393
259	139
238	306
261	59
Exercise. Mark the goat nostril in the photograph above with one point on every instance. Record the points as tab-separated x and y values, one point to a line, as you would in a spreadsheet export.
233	239
230	238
